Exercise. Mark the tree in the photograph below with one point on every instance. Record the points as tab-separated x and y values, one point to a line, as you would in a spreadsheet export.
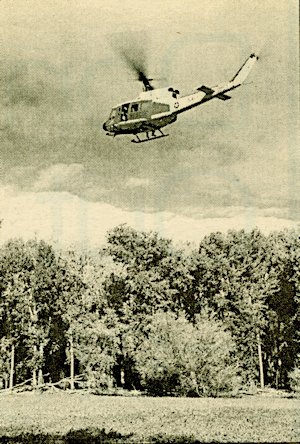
6	363
71	302
282	339
29	289
150	274
97	347
90	324
236	280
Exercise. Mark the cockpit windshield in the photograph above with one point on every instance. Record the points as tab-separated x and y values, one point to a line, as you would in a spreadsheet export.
113	114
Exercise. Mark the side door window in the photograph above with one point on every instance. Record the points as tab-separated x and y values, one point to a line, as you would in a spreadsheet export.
124	111
135	107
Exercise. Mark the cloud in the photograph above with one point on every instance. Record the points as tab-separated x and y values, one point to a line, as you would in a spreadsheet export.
59	176
64	219
134	182
236	212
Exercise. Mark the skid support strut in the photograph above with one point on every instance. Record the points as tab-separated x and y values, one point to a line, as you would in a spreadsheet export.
150	135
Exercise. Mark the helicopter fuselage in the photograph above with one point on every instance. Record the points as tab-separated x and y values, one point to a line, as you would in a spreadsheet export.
150	111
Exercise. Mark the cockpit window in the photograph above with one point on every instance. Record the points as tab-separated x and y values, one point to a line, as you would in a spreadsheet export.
113	114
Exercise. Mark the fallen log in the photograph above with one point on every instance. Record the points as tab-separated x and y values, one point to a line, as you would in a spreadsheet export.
50	385
10	389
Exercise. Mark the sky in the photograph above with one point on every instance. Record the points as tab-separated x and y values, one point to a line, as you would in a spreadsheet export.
224	165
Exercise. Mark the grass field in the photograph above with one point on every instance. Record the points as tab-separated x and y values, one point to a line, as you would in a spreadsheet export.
84	418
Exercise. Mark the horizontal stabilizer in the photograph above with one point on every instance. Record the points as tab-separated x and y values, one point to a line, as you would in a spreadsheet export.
223	96
210	91
205	89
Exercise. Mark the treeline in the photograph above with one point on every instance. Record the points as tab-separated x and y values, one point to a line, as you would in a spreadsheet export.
142	314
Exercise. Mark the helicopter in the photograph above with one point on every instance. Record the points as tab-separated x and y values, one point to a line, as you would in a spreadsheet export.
156	108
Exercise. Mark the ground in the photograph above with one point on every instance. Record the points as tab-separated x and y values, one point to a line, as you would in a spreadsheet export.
84	418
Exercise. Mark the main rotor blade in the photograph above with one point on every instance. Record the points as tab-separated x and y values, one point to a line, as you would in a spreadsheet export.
137	64
133	53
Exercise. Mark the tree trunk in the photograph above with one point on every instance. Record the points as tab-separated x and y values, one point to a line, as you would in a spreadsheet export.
72	372
261	366
34	378
12	367
40	372
277	359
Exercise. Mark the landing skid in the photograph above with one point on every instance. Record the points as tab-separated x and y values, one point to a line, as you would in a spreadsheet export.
152	137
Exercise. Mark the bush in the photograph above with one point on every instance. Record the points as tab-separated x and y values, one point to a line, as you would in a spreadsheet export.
179	358
294	380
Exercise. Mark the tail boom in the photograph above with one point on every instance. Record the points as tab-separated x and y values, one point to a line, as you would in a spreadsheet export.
205	93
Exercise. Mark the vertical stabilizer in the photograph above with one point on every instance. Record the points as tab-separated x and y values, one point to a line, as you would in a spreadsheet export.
244	71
